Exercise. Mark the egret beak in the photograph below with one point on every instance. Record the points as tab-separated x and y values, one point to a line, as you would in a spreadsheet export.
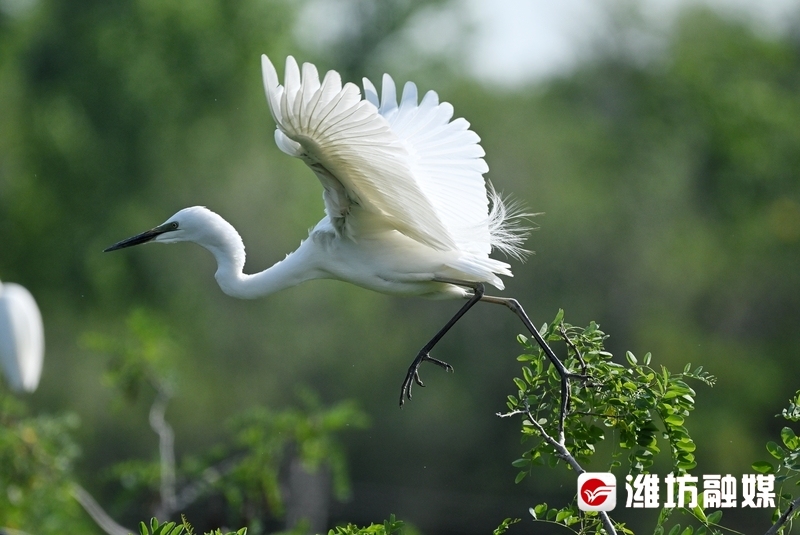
144	237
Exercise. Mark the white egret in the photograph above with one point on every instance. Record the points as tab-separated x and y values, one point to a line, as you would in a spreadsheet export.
21	338
407	207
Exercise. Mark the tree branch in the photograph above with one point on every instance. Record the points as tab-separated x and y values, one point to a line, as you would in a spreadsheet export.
192	491
561	452
787	514
166	442
97	513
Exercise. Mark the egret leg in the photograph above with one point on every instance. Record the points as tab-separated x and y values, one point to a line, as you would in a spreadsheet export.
424	354
565	374
512	304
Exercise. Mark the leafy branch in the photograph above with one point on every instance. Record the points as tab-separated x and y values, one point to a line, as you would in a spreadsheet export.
246	471
786	471
637	402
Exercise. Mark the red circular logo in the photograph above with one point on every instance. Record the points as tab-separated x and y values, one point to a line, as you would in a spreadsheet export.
594	492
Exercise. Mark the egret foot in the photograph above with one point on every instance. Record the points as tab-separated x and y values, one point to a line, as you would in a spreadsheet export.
413	374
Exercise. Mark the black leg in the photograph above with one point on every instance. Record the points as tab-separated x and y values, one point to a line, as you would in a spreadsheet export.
413	371
565	374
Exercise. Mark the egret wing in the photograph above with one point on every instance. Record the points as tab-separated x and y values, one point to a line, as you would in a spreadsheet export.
21	338
446	160
353	150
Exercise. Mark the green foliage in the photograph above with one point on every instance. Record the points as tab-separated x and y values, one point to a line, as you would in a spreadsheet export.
709	524
634	402
572	518
173	528
637	402
309	432
37	454
389	527
787	469
143	355
247	472
392	526
670	188
792	412
504	525
264	440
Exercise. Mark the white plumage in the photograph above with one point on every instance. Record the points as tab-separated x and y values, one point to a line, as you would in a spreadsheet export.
407	206
21	338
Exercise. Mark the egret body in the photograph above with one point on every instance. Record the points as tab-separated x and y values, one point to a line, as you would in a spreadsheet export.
408	211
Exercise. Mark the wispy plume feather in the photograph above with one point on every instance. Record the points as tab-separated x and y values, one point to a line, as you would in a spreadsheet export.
509	225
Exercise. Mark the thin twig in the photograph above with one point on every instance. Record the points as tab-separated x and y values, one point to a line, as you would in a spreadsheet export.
569	342
97	513
561	452
192	491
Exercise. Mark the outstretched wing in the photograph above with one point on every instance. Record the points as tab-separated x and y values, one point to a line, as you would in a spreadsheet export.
406	163
445	159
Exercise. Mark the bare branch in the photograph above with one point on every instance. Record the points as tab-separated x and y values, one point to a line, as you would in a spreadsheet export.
787	514
166	443
97	513
191	492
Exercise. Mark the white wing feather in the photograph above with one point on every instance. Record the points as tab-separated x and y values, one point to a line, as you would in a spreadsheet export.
353	150
445	159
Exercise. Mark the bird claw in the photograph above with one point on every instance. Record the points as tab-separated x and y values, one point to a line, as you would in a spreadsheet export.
417	380
413	374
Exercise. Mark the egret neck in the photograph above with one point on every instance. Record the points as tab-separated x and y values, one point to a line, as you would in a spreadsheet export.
297	267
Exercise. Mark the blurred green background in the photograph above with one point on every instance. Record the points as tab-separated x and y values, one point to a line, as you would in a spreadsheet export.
669	182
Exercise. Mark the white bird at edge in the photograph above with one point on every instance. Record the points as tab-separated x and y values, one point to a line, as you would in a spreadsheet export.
21	338
407	207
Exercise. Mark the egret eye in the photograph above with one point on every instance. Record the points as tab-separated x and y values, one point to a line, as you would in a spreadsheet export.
173	225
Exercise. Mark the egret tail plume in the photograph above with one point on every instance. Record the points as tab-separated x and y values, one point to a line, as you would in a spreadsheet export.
508	225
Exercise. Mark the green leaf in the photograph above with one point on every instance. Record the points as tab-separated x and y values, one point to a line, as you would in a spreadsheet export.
520	477
775	450
564	513
674	420
715	517
763	467
503	527
675	529
688	465
688	531
143	529
631	358
527	374
789	438
699	513
520	384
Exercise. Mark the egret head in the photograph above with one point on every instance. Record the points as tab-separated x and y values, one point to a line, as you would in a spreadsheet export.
196	224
